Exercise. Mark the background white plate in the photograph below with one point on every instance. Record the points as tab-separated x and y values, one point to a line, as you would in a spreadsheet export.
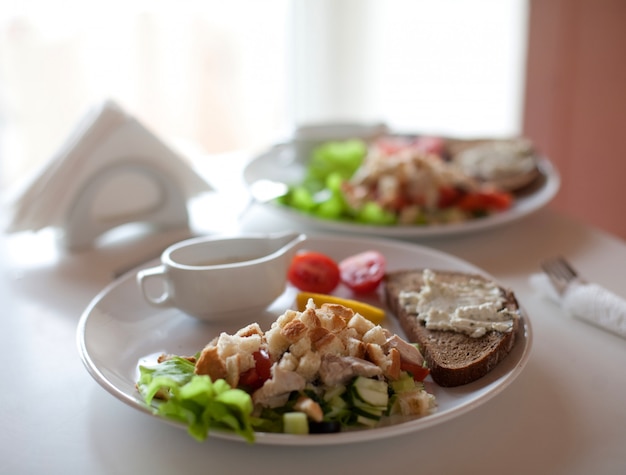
286	163
119	330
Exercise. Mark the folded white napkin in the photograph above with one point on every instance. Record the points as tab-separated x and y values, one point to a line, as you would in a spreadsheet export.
587	301
106	136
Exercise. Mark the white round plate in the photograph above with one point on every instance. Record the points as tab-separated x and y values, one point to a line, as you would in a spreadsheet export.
119	330
286	163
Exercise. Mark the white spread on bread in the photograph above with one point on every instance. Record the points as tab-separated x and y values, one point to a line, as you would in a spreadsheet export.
472	307
498	159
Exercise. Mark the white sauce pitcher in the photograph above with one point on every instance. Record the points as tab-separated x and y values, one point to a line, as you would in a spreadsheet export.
217	278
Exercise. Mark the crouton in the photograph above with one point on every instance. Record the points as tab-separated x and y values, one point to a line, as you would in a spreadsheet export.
361	324
287	363
312	409
209	363
375	335
388	362
329	343
294	330
252	329
233	369
339	310
276	342
302	346
309	365
354	347
229	345
310	319
285	318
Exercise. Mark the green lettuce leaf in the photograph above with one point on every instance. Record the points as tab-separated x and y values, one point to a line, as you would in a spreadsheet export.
174	391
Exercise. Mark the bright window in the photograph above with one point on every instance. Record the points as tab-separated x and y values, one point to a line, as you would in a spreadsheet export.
447	66
207	75
212	76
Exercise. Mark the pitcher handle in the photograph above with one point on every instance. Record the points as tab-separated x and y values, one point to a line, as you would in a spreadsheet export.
154	273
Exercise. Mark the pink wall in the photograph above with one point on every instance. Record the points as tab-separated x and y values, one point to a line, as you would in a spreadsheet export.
575	108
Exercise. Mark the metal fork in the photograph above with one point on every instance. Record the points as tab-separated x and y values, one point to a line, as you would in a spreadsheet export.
589	302
560	273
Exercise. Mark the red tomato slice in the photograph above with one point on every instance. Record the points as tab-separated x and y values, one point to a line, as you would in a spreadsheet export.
448	196
500	200
263	364
363	272
314	272
254	378
250	380
417	371
486	200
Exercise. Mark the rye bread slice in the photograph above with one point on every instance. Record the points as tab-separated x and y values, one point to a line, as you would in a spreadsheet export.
454	358
513	180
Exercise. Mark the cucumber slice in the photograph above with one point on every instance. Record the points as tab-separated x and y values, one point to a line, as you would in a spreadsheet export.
337	408
405	383
357	403
295	423
366	421
337	404
334	393
369	412
371	391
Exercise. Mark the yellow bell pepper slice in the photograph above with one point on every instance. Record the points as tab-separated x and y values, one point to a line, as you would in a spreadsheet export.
372	313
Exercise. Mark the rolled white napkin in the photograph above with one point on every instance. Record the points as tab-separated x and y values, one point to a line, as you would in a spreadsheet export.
587	301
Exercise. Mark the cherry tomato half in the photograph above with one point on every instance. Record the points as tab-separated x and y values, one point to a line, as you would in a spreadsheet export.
254	378
363	272
313	272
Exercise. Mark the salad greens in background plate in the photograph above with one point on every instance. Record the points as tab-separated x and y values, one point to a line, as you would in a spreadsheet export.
119	332
304	179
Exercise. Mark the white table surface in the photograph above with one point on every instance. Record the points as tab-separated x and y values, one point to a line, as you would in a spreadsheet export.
565	414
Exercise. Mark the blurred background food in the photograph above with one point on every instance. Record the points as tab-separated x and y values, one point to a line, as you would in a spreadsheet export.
212	80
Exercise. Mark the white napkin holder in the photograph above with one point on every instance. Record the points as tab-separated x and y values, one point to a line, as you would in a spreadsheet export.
100	205
112	171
